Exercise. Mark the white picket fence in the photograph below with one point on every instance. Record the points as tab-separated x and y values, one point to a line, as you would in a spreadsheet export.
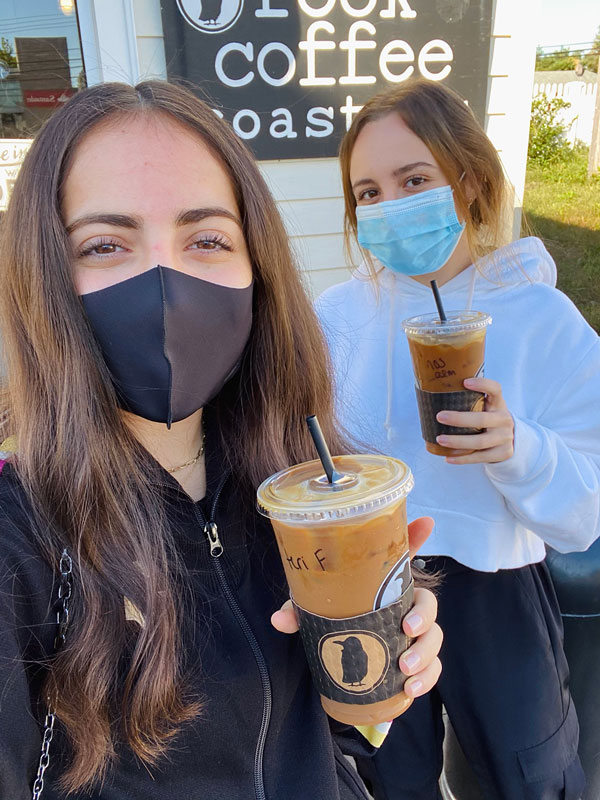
579	92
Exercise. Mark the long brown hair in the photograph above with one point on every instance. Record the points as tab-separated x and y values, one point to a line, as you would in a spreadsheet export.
89	482
442	120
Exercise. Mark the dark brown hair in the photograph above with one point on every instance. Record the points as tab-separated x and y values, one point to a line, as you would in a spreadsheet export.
89	482
442	120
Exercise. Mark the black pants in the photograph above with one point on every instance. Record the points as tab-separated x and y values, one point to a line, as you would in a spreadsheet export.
505	687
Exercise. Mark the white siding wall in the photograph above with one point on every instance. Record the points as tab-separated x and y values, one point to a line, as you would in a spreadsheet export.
149	35
309	196
122	40
581	94
510	80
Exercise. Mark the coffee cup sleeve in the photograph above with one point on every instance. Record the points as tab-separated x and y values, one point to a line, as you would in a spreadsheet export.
430	403
355	660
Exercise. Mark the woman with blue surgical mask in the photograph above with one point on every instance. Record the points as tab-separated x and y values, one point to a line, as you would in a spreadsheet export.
426	197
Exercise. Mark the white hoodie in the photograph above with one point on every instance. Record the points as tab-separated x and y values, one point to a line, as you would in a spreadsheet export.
547	360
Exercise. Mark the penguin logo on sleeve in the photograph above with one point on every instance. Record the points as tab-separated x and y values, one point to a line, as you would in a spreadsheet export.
355	661
211	16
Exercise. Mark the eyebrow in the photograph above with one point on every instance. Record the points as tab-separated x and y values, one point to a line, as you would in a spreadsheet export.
198	214
135	223
118	220
396	173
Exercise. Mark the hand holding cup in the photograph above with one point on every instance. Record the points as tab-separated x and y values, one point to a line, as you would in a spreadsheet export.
421	661
344	545
496	441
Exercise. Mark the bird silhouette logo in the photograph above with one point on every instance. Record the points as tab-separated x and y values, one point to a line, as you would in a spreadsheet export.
355	661
210	11
211	16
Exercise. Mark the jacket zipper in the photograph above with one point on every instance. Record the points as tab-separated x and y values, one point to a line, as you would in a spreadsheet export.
216	550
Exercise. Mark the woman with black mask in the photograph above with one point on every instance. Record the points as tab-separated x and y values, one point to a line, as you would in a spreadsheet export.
160	359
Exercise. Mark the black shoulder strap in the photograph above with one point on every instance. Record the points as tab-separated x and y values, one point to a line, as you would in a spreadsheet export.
65	589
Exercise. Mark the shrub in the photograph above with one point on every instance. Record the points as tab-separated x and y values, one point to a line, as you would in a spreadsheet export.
547	143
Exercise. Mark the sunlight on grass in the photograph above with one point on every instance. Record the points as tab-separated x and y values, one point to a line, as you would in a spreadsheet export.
563	208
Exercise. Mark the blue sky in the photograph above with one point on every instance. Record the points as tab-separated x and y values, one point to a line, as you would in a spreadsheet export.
571	22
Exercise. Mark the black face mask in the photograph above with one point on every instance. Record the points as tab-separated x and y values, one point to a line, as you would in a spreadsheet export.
170	340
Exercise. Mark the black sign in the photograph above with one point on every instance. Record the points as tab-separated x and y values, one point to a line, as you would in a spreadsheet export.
290	74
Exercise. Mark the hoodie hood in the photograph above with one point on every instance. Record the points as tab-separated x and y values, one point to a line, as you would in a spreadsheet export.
521	262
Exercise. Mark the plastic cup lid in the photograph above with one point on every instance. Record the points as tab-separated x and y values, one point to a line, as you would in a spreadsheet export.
299	494
457	322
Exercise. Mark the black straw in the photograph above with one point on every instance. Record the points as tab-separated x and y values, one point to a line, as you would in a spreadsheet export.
321	445
438	301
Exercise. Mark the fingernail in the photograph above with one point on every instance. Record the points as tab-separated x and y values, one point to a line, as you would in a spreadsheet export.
441	416
442	439
410	660
414	622
414	687
468	381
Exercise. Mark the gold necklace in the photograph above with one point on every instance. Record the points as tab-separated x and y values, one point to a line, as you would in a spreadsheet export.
190	462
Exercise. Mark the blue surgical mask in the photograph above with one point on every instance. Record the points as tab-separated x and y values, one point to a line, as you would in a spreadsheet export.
413	235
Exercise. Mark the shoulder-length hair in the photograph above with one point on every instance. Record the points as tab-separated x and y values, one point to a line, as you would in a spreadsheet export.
468	159
89	482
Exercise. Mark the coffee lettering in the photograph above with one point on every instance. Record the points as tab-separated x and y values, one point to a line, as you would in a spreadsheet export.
311	45
260	63
267	11
352	44
427	56
395	52
349	110
404	55
315	117
405	13
358	12
322	11
247	51
276	50
282	128
253	117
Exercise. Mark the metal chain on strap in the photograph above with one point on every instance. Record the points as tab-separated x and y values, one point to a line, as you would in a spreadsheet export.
65	588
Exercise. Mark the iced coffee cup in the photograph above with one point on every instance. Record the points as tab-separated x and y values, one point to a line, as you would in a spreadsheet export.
344	548
443	355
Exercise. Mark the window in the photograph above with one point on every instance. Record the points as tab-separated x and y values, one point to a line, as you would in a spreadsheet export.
41	66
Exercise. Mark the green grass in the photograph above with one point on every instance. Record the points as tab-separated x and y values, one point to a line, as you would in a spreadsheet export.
563	208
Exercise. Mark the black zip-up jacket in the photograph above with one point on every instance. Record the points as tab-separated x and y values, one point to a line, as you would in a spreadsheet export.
262	733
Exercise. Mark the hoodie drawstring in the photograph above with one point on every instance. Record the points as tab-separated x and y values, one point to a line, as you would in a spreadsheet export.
390	363
471	289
